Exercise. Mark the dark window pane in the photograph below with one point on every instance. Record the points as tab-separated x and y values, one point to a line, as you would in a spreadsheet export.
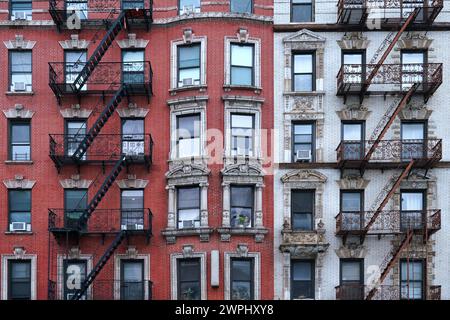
20	280
189	126
351	271
189	56
189	279
20	133
301	11
241	6
241	270
132	4
21	61
302	201
188	197
242	196
351	201
20	200
302	279
302	221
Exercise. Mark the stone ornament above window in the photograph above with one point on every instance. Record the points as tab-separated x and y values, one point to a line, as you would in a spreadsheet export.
414	40
352	182
75	112
132	111
132	42
74	43
132	183
19	182
20	43
353	41
75	182
18	111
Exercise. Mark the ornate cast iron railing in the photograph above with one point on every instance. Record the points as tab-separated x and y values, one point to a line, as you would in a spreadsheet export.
107	290
384	292
103	221
391	150
388	11
390	78
388	222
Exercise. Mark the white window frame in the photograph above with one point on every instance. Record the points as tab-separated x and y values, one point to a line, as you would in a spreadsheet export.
117	271
174	272
5	261
256	256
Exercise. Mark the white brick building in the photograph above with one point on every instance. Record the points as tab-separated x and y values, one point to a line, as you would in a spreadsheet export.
311	259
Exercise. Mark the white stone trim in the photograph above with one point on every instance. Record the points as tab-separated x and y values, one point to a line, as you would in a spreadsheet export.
74	43
19	183
19	254
257	58
174	59
18	112
132	183
19	43
187	254
60	276
132	43
256	256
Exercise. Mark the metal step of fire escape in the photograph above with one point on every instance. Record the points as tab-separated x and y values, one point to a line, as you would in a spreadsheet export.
107	183
389	261
99	52
388	196
93	132
99	266
386	53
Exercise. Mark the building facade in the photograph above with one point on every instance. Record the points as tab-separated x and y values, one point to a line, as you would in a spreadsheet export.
363	161
132	155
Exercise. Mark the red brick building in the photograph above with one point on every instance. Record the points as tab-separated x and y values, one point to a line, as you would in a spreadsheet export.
128	104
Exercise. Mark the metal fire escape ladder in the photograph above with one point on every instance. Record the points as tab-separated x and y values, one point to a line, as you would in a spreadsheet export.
99	266
99	52
389	263
383	58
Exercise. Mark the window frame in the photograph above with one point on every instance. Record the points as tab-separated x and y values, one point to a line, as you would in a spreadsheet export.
10	277
312	263
10	72
292	5
130	1
252	8
313	68
253	138
252	275
20	122
361	270
9	207
180	7
252	218
178	205
424	123
122	276
424	205
362	123
68	210
179	280
10	7
313	139
422	281
133	210
193	44
313	213
123	72
253	67
177	128
122	135
361	204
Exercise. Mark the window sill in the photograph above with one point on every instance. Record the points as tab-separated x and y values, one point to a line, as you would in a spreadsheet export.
172	234
257	232
15	162
229	87
200	88
304	93
22	93
25	233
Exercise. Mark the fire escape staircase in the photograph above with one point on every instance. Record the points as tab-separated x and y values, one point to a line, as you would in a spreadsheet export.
389	262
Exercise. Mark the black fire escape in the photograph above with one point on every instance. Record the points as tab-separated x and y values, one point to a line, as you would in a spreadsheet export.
376	153
112	81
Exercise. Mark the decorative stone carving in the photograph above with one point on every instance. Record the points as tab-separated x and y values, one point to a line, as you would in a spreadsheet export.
242	250
243	35
132	183
304	175
132	42
132	111
19	183
187	251
74	253
352	182
75	112
19	252
75	183
18	111
19	43
74	43
413	112
188	173
132	252
353	40
187	35
304	35
354	112
414	40
351	251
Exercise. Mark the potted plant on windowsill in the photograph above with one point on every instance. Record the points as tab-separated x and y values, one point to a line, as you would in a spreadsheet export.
242	221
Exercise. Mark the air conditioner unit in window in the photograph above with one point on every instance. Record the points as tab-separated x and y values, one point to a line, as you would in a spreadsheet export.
136	226
303	155
188	82
19	86
188	223
19	15
19	226
189	10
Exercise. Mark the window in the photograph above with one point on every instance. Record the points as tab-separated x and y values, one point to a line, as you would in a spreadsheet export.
242	131
353	140
304	74
19	276
20	77
242	279
133	4
412	68
188	205
301	11
188	135
76	132
303	142
75	203
242	203
19	210
133	66
21	9
188	6
132	204
188	279
242	64
352	210
412	210
352	279
302	275
413	140
354	65
188	65
74	63
133	139
132	280
75	272
79	7
20	141
411	279
302	210
241	6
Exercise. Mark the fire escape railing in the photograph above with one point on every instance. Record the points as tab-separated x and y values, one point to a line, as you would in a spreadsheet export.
358	12
384	292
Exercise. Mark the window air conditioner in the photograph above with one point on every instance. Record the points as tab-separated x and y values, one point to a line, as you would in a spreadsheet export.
189	9
136	226
19	15
303	155
188	223
20	226
188	82
19	86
